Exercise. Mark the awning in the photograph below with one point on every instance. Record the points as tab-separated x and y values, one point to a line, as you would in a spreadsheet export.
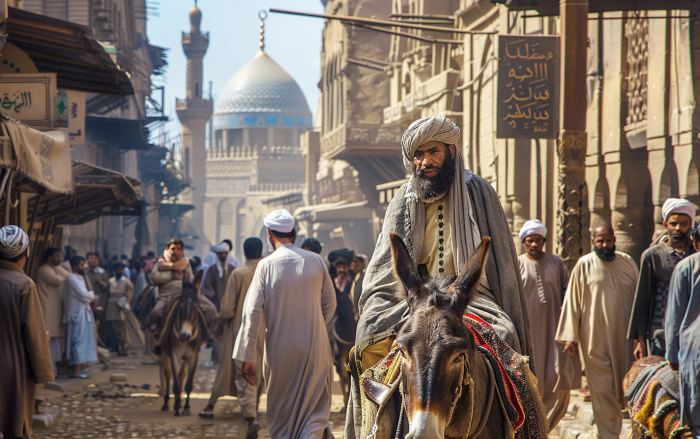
68	49
42	157
98	192
120	133
334	212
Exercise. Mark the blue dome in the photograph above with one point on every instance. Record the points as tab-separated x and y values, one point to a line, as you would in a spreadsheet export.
262	86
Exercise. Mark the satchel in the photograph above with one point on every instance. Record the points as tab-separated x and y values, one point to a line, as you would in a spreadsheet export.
145	302
123	304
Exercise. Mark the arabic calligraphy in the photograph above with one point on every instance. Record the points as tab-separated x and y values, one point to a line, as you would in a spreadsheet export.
528	86
16	101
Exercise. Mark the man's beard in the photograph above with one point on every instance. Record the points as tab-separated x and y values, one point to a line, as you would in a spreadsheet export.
437	186
678	238
605	253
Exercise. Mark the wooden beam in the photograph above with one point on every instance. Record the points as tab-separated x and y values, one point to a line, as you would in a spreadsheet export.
572	215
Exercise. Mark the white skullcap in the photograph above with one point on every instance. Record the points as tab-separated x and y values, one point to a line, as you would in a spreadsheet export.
279	221
220	248
678	205
428	129
13	242
533	227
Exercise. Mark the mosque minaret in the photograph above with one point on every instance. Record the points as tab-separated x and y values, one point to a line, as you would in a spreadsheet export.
194	112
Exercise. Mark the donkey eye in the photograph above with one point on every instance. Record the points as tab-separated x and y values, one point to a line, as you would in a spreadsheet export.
458	359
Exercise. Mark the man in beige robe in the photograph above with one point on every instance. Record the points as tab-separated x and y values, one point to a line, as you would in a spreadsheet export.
545	278
49	279
121	290
25	358
229	380
596	315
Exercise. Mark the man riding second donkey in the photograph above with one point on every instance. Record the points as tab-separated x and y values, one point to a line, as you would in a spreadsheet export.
167	274
441	214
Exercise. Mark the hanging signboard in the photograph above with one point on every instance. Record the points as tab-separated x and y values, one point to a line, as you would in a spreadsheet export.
76	117
29	98
528	87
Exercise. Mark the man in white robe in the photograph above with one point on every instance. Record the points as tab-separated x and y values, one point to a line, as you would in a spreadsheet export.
545	278
229	379
292	289
80	325
596	315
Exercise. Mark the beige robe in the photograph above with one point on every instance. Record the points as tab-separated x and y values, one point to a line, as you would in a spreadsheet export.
596	315
545	281
230	318
430	251
49	280
24	350
123	288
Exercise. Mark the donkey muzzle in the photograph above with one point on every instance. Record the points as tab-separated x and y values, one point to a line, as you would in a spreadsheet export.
186	332
426	425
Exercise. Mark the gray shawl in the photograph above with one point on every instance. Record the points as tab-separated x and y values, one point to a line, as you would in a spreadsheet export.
383	307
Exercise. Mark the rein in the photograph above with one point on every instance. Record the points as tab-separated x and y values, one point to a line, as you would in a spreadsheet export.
470	409
170	320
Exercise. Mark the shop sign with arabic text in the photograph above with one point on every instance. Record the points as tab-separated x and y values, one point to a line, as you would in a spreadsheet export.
528	87
29	98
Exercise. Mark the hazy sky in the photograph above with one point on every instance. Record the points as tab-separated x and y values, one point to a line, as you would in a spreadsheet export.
293	42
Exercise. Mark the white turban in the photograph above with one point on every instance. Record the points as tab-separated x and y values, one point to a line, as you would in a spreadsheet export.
428	129
220	248
678	205
533	227
13	242
279	221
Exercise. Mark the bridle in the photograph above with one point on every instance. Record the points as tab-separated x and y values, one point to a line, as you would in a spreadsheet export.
466	381
195	333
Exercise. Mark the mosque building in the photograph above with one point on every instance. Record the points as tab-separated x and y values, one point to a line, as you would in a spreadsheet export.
254	163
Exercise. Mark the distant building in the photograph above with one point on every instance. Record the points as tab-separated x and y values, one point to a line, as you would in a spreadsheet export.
194	112
642	124
117	123
254	164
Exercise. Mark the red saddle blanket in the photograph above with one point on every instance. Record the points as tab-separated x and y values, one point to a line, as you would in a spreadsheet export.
521	402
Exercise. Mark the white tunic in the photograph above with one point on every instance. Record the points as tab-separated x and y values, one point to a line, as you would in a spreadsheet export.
293	289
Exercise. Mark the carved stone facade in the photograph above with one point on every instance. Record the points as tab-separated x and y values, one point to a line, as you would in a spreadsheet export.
572	214
639	147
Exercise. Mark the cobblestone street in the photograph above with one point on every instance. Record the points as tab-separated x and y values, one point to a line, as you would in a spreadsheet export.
100	408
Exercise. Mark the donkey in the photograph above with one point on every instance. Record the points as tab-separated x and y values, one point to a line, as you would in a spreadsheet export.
180	347
440	356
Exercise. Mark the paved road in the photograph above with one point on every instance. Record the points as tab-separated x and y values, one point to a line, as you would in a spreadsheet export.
99	408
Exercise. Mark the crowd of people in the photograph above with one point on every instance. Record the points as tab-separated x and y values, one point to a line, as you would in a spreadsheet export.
282	321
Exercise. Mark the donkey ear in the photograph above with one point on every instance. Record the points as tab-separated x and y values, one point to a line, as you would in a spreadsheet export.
403	266
464	288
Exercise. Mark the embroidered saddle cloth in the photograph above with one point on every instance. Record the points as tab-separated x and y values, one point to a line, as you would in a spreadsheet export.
515	386
652	401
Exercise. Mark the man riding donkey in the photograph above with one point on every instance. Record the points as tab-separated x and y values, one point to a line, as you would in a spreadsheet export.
441	214
167	274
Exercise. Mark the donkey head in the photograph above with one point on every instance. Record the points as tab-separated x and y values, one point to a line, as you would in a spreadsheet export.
435	343
189	306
